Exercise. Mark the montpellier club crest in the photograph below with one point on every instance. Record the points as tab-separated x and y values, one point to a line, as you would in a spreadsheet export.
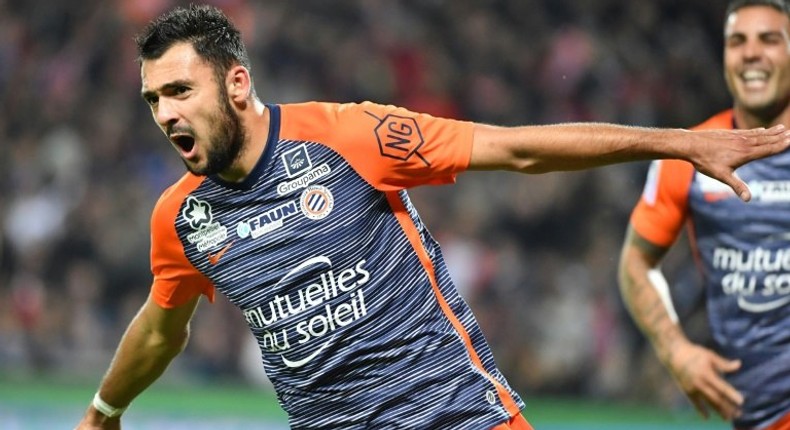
316	202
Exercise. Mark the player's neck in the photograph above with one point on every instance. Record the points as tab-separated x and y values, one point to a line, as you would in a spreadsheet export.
746	119
256	124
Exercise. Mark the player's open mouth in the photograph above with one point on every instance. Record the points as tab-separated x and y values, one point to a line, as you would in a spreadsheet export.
183	141
755	79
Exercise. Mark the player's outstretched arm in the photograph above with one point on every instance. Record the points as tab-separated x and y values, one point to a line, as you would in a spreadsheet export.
697	370
154	337
545	148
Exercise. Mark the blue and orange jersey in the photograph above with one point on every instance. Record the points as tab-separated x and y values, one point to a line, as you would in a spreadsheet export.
743	250
357	319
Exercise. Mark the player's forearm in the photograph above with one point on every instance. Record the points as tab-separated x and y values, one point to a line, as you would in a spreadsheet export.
538	149
141	358
647	308
155	336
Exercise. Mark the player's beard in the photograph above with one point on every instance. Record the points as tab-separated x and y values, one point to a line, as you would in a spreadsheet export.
225	143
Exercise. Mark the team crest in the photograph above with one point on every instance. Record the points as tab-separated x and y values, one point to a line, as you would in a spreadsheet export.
316	202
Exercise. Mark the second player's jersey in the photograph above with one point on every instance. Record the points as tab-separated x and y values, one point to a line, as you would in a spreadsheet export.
744	253
358	322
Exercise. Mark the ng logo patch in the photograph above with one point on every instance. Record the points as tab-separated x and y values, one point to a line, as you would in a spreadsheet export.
399	137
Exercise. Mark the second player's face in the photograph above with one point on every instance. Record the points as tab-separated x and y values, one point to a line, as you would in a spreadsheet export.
757	59
193	110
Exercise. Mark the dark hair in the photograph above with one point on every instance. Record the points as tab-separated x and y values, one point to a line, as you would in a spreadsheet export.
780	5
212	35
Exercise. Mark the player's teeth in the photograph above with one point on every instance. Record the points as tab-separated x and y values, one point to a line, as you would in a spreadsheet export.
754	74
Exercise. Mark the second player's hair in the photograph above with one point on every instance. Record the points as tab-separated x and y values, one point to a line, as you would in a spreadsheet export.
780	5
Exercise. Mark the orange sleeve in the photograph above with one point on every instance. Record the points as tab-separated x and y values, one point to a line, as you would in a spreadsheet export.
175	279
661	211
390	147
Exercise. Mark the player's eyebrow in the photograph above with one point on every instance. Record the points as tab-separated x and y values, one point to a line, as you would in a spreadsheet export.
761	34
165	88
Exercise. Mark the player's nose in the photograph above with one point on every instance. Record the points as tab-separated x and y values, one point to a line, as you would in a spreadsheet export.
166	113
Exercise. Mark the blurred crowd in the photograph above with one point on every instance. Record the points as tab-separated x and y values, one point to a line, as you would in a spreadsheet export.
82	165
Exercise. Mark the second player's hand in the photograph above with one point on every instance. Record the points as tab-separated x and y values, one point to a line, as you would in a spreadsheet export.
699	371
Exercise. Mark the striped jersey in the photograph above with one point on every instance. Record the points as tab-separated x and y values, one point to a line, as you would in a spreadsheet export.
357	319
743	250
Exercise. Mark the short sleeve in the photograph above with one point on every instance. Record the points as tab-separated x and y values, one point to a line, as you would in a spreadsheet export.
662	208
176	281
390	147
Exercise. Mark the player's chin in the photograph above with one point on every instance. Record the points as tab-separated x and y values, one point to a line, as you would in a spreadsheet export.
758	102
196	167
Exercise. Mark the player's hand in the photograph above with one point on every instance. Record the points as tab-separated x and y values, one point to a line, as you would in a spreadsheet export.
699	371
717	153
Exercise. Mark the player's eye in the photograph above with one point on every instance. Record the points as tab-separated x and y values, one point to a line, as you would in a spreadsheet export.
180	90
735	41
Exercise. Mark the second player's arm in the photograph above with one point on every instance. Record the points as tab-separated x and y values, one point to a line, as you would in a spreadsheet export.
545	148
154	337
643	301
696	369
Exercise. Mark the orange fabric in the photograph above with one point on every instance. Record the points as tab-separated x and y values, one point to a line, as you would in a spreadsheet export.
662	209
722	120
782	424
414	238
391	148
175	279
516	423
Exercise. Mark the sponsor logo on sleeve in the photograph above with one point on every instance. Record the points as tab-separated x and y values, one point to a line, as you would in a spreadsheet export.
399	137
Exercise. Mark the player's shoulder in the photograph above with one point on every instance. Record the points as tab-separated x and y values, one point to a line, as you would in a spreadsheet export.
331	108
320	121
722	120
173	196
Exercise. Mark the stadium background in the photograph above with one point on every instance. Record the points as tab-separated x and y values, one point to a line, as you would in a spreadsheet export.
82	165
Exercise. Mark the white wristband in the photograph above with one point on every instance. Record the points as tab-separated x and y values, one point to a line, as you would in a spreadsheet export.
105	408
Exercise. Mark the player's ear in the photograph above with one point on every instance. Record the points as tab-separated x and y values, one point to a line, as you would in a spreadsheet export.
238	84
